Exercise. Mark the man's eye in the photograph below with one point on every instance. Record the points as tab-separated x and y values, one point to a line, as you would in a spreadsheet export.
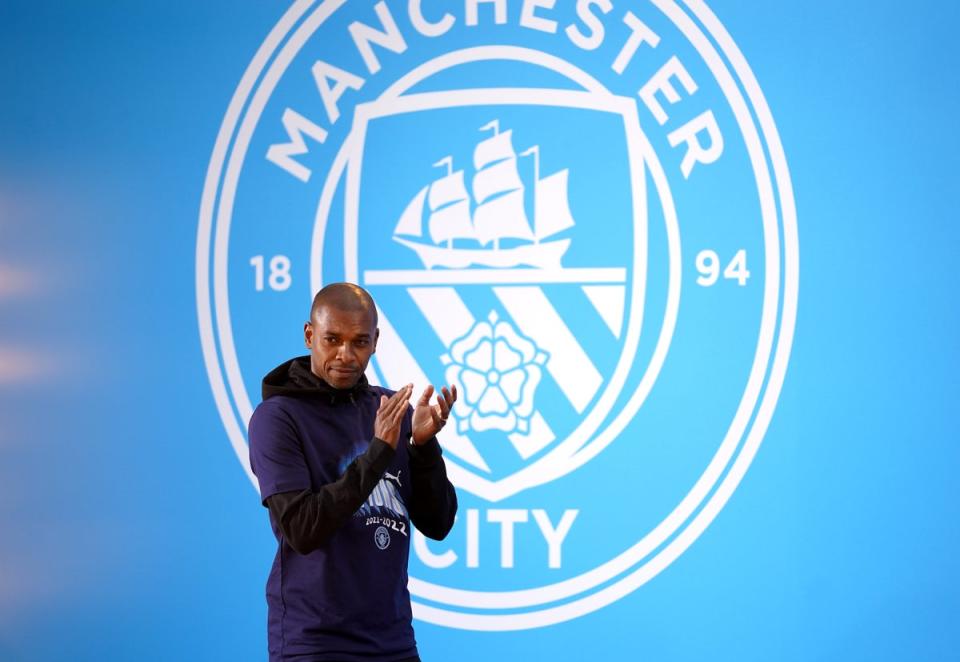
362	343
330	340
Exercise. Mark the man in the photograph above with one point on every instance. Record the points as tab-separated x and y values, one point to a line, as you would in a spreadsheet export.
344	468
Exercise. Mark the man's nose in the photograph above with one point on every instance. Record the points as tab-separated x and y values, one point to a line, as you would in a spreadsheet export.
345	353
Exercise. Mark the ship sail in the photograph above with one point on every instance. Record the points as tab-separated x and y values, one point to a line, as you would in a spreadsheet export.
498	178
552	211
450	209
452	222
498	190
502	217
493	149
411	221
447	189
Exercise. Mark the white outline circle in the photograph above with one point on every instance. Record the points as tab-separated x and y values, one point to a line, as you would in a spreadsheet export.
233	140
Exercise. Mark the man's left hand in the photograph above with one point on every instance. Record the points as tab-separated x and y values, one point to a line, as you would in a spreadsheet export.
429	419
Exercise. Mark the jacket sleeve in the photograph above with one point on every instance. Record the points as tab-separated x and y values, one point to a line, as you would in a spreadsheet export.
307	518
434	501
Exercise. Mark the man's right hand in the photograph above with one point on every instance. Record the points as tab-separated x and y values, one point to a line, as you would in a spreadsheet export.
390	415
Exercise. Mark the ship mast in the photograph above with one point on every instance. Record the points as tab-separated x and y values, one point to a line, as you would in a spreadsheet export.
551	202
446	161
535	150
495	125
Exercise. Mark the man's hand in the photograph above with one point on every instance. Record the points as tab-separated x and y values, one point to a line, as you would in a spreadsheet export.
390	415
429	420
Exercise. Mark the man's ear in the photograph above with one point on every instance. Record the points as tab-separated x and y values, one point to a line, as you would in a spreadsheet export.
376	337
308	334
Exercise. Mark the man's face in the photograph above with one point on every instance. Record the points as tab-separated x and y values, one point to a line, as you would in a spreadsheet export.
341	343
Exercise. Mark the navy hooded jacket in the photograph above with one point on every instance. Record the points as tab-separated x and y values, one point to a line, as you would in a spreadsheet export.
341	507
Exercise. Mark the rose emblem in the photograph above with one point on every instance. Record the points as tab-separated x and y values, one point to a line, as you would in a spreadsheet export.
498	371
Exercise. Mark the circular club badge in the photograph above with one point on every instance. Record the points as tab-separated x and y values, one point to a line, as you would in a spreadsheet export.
578	213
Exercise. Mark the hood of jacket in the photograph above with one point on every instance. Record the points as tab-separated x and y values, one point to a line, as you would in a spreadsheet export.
294	378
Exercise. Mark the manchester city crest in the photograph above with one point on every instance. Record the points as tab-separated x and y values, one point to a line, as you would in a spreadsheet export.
579	215
486	256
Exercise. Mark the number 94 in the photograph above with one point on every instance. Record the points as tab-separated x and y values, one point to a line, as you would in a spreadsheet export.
708	264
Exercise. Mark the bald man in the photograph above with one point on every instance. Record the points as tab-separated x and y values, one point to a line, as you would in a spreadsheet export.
345	468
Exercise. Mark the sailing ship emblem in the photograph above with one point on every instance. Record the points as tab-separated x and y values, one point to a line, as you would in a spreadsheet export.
462	238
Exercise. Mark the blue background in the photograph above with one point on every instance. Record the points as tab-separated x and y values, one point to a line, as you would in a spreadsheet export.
127	527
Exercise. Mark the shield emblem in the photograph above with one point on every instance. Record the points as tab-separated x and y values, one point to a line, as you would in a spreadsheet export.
502	233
